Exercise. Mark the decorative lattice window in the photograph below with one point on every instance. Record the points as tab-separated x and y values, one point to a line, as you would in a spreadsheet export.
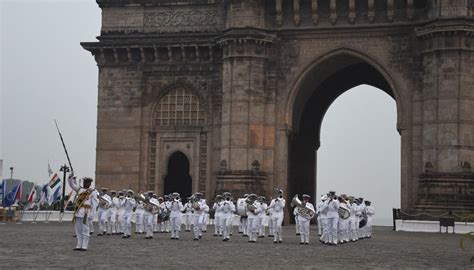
179	107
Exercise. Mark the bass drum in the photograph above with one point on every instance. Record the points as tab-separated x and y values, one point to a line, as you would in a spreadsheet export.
241	207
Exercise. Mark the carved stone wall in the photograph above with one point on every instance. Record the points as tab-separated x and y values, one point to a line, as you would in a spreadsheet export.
255	69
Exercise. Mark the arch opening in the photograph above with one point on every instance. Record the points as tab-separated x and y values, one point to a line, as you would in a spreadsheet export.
178	178
320	85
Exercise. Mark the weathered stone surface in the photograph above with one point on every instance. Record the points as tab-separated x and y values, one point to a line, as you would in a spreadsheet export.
265	72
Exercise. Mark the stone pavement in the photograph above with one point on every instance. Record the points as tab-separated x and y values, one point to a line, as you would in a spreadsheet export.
50	246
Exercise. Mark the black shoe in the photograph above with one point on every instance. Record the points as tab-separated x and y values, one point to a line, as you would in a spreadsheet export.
124	236
306	243
196	239
99	234
91	233
250	241
261	236
76	249
280	241
83	249
301	243
204	231
297	234
215	234
200	236
172	238
275	242
108	234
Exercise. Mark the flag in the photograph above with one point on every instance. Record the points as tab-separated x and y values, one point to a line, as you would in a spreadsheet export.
49	169
12	196
44	194
68	199
57	194
32	196
2	187
55	180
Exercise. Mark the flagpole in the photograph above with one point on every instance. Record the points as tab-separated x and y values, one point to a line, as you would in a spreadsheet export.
65	170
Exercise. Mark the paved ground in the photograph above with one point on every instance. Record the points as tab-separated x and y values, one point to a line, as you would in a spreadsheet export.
50	246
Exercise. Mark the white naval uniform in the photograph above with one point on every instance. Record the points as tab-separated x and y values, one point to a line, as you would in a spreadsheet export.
188	216
217	207
82	226
199	218
206	217
176	208
333	220
112	216
228	209
323	213
343	229
139	216
103	216
359	216
295	213
261	217
167	221
370	212
93	213
303	224
278	206
320	221
149	218
271	226
352	230
252	222
120	212
128	205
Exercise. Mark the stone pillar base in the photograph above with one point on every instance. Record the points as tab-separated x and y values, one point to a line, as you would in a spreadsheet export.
443	192
241	182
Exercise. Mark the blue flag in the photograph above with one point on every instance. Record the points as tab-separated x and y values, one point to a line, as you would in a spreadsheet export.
11	196
57	194
2	191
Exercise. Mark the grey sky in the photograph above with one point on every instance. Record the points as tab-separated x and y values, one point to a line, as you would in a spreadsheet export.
45	74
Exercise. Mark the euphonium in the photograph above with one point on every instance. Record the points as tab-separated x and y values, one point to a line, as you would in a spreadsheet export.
104	202
303	211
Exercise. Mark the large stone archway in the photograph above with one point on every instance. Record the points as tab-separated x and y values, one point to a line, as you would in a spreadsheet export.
319	86
256	66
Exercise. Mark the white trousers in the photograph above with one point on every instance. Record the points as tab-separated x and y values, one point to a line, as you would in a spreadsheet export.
252	228
139	221
175	224
148	219
320	226
217	225
277	229
325	230
127	223
188	221
198	221
119	225
82	233
243	225
102	217
271	227
226	225
303	228
297	227
112	218
332	229
261	228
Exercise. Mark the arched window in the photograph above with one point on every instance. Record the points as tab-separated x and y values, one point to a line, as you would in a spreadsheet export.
179	107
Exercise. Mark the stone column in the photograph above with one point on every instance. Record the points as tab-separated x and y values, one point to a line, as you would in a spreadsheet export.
447	183
244	133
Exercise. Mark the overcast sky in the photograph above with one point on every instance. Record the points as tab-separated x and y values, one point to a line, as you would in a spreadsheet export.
46	75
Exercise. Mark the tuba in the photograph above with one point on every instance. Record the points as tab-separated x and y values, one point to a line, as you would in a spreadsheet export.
150	206
250	202
343	211
302	210
195	202
104	202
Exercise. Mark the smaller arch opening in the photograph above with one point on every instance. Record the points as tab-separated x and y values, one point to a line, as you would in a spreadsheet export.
178	178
